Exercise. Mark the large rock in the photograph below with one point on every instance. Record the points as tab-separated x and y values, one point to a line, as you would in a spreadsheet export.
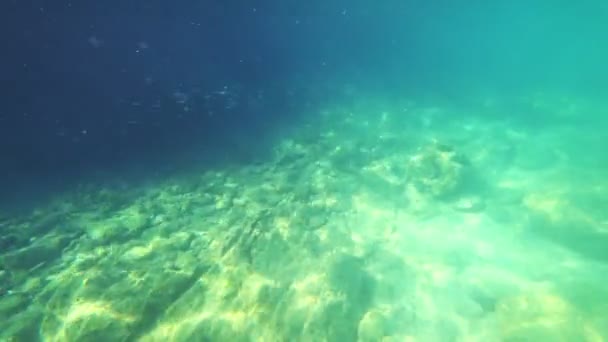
437	170
43	250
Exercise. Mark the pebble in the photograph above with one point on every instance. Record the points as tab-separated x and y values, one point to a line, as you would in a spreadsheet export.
469	204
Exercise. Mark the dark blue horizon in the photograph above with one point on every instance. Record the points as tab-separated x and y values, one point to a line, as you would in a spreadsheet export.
91	87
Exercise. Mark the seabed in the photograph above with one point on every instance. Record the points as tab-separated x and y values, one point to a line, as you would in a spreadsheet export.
374	220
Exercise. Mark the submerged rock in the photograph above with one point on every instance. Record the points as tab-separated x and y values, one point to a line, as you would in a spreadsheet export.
469	204
43	250
372	326
437	170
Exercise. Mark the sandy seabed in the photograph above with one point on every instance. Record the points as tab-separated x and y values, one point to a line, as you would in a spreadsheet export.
373	221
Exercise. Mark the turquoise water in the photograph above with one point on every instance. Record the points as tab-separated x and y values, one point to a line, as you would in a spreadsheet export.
385	220
444	180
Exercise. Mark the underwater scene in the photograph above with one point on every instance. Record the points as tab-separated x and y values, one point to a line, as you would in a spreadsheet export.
304	171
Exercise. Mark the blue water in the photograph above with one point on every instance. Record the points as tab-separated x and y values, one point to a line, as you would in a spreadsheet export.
315	171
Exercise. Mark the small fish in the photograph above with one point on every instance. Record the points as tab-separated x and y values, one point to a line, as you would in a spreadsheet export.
222	92
180	97
95	42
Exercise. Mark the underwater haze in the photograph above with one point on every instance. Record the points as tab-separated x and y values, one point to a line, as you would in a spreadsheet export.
304	171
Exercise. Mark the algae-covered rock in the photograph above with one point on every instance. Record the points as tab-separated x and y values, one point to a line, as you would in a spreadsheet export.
372	326
43	250
23	326
116	305
437	170
543	317
122	226
469	204
308	217
11	304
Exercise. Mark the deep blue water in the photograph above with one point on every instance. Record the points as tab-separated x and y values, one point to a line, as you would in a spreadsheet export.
303	170
91	87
